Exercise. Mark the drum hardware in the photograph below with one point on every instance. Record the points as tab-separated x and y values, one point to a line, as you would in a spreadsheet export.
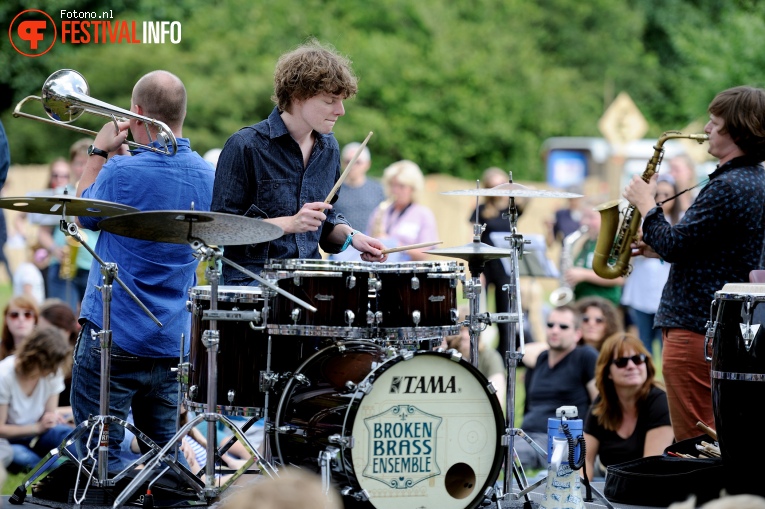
477	254
98	463
211	340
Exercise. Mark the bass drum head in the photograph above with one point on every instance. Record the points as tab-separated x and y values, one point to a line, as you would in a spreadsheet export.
427	434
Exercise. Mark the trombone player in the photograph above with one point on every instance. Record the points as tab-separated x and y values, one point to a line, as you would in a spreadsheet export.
729	212
143	354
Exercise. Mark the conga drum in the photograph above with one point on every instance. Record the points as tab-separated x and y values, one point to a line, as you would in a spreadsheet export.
738	382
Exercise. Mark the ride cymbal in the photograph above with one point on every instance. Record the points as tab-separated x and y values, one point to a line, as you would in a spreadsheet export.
184	226
513	190
65	205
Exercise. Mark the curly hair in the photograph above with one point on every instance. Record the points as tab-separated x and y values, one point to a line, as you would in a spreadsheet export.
46	349
607	408
613	319
310	70
743	111
7	345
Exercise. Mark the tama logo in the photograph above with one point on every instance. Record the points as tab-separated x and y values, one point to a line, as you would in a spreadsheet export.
423	384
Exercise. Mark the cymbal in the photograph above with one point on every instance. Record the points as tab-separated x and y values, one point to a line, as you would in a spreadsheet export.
474	251
514	190
57	203
184	226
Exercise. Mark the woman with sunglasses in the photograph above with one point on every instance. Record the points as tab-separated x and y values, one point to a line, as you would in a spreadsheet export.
19	318
600	319
630	418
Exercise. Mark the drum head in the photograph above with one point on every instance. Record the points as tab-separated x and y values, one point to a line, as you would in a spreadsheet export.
429	432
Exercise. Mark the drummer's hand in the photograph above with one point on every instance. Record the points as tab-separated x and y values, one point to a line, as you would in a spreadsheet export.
109	140
308	219
371	248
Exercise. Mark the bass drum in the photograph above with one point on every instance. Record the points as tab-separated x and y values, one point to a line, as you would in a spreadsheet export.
738	382
401	430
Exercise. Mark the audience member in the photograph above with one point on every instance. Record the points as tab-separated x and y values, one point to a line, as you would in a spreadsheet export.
567	219
643	287
294	488
30	383
580	276
359	195
29	281
401	221
683	172
629	418
561	375
600	319
57	314
19	319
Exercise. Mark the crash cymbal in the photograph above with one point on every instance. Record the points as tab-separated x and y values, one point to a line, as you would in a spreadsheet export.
514	190
184	226
65	204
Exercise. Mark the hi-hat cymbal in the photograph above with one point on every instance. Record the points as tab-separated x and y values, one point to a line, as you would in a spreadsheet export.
184	226
514	190
56	205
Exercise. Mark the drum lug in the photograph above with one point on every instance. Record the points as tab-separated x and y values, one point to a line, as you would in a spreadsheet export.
406	354
711	330
296	280
295	315
345	442
350	282
370	317
378	317
416	317
415	282
231	394
455	315
350	386
365	387
193	390
266	381
210	338
350	316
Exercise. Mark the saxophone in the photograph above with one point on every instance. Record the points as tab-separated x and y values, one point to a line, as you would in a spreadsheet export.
564	294
68	268
613	251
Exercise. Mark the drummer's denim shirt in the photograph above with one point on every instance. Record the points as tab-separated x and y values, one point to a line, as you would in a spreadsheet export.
260	174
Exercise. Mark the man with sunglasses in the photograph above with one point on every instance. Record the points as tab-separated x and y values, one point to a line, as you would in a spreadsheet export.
562	375
719	240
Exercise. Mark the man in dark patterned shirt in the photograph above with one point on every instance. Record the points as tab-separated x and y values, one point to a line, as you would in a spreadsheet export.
718	241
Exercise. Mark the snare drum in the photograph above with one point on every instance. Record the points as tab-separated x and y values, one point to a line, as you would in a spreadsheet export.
416	299
242	352
337	289
738	382
413	429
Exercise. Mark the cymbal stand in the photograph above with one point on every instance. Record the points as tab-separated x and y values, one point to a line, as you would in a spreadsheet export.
101	422
211	340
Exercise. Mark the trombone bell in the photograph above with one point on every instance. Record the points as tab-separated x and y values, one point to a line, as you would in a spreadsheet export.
65	97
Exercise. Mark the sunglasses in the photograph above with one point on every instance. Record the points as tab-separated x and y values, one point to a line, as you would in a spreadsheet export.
25	314
60	176
563	326
586	319
622	362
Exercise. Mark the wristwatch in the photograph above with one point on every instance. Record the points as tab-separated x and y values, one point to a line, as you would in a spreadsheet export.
93	151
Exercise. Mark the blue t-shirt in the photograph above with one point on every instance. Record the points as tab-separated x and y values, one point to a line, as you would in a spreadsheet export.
158	273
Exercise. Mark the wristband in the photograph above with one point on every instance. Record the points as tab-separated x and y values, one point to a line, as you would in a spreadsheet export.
348	240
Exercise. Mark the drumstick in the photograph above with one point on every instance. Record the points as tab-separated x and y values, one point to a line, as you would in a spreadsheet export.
347	169
706	429
410	246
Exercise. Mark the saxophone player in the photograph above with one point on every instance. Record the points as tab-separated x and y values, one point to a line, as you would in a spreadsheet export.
729	212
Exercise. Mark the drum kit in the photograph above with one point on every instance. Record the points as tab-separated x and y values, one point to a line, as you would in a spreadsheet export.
341	360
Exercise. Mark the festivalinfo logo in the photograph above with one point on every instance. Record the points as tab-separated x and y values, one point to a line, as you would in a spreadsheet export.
33	32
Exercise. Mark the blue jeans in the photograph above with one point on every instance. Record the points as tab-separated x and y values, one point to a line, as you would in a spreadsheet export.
644	323
26	456
150	381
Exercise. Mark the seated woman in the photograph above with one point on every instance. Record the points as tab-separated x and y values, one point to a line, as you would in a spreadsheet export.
630	418
30	382
19	318
600	319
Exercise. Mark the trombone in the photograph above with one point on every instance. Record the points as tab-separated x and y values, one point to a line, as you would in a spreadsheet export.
65	96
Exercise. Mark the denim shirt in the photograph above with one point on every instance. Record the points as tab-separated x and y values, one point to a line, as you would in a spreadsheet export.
718	241
260	174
